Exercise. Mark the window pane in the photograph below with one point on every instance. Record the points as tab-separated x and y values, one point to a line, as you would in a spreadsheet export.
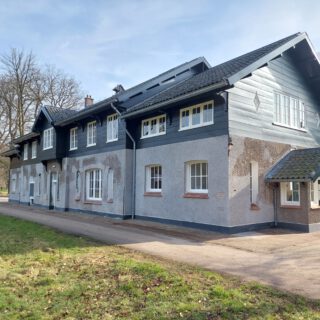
146	128
204	183
153	126
198	167
207	113
196	116
162	124
185	119
198	183
193	170
193	183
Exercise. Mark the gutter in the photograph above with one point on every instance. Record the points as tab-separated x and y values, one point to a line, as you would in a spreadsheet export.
185	96
133	196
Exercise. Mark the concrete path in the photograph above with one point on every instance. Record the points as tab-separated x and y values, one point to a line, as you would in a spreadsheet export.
286	260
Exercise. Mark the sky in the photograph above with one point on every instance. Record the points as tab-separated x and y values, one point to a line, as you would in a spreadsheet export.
105	43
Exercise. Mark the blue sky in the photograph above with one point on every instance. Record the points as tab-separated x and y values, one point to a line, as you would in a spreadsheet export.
103	43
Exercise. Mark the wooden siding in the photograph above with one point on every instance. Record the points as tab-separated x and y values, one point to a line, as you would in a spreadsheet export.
173	135
281	75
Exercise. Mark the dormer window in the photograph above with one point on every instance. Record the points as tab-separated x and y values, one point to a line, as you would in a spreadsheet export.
91	133
34	150
153	126
25	151
74	138
112	128
196	116
48	139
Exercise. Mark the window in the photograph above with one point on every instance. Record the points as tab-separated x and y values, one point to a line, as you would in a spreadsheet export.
73	138
154	178
315	193
48	139
78	181
34	150
153	127
197	177
39	184
289	111
94	184
254	181
91	133
290	193
110	185
196	116
112	128
13	185
25	151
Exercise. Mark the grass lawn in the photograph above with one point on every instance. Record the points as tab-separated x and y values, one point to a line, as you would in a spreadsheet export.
3	193
48	275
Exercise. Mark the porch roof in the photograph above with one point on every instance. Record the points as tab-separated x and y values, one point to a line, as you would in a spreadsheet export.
297	165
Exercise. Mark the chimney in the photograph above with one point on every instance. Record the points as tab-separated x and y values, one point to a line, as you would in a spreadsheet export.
118	88
88	101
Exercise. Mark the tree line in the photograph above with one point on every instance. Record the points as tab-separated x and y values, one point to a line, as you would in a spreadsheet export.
25	86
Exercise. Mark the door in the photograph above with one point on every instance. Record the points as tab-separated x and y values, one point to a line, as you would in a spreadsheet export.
53	190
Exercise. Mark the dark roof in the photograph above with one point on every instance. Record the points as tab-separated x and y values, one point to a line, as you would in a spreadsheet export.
124	97
221	73
302	165
9	152
58	114
25	137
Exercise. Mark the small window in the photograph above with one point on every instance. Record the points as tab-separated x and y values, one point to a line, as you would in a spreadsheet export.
91	133
254	181
290	193
110	185
94	184
289	111
197	177
48	139
315	193
112	128
25	151
74	138
34	150
196	116
13	185
153	127
154	178
78	181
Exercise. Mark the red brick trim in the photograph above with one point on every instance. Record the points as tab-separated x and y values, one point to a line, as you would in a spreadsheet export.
285	206
254	207
98	202
196	195
153	194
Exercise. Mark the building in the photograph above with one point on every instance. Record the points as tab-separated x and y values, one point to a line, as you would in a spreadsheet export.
229	148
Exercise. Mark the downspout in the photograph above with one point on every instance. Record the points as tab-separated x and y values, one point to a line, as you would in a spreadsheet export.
133	196
275	203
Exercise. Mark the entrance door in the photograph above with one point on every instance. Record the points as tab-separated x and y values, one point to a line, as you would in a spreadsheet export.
53	190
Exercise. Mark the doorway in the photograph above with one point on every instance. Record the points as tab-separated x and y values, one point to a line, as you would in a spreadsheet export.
53	190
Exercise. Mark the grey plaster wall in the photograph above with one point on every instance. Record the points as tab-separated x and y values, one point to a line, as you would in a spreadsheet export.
245	150
172	205
116	161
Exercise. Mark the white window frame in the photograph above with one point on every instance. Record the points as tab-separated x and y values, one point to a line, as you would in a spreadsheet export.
289	111
94	183
148	124
189	188
190	110
73	138
48	139
283	191
112	127
25	151
154	172
91	133
34	150
314	193
254	182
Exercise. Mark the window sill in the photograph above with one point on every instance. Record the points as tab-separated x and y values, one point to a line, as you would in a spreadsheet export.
114	140
73	149
289	206
153	194
110	201
91	145
196	195
98	202
288	127
153	135
197	126
47	148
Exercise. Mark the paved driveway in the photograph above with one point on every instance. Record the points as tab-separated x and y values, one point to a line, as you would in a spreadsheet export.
286	260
